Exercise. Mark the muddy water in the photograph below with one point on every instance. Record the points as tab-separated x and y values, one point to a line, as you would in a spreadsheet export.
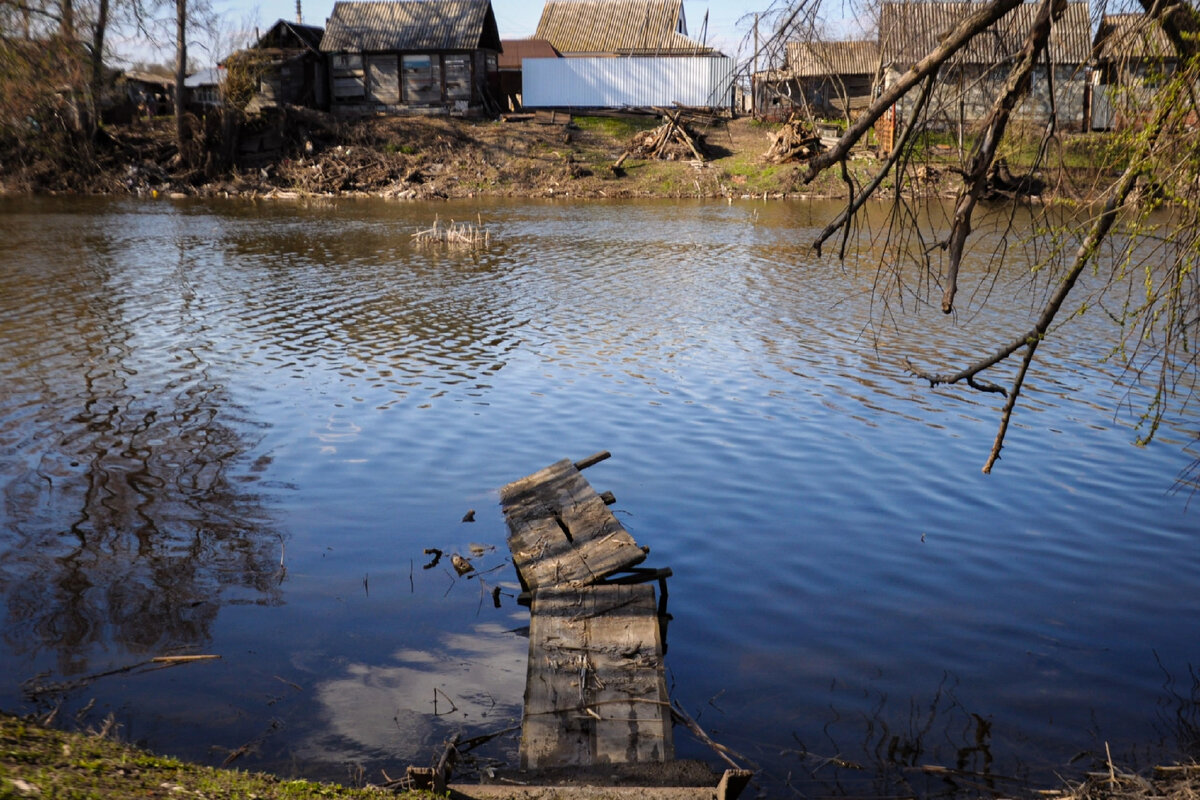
234	429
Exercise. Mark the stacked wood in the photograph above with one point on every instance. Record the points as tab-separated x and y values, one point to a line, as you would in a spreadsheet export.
794	141
671	141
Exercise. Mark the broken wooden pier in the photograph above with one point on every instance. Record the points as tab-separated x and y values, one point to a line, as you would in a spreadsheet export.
596	698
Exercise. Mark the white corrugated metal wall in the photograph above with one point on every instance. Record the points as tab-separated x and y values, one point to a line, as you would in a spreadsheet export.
633	81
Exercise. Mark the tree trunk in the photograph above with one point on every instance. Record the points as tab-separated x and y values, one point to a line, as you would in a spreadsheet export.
180	72
98	60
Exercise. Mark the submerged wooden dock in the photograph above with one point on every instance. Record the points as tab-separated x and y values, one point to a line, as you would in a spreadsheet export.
595	691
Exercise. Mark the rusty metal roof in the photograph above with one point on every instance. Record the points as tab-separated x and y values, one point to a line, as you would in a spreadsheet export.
814	59
516	49
1131	36
617	27
910	29
413	25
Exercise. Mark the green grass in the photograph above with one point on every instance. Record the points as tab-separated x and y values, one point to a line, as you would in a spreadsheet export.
45	763
617	127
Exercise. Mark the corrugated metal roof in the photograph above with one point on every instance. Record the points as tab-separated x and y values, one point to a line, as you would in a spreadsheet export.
909	30
516	49
814	59
387	25
1131	36
616	27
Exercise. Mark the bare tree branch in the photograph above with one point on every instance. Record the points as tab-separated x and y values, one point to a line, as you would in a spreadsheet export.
847	214
1015	89
958	38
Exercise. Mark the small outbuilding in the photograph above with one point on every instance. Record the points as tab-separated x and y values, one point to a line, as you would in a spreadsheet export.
1133	57
825	78
969	82
414	56
515	50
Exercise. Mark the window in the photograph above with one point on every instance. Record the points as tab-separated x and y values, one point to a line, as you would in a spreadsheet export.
422	80
458	76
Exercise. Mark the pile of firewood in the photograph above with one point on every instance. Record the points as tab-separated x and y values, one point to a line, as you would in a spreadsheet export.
794	141
671	141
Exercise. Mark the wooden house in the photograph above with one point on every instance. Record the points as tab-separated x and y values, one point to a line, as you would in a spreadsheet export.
203	89
416	56
970	81
287	67
829	79
151	93
1132	57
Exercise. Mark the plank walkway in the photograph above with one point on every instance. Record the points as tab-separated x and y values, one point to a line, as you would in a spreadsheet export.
595	689
595	692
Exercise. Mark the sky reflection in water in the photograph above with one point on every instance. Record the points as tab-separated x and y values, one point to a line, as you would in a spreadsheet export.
235	428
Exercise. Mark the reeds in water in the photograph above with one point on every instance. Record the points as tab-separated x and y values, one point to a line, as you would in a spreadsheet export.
468	235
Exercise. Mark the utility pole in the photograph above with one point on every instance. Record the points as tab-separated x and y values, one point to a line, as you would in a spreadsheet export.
753	73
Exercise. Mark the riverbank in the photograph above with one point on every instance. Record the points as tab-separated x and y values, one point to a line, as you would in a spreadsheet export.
42	762
295	151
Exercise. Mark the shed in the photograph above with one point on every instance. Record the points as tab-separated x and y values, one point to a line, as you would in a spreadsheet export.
1133	57
515	50
421	56
830	78
969	82
285	66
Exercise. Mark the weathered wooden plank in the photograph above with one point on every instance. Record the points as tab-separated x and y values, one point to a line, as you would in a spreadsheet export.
595	691
561	532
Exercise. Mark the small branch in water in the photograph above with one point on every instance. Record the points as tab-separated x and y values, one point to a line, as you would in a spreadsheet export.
436	713
681	716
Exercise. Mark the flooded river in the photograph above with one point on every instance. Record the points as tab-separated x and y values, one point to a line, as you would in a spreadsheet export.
235	428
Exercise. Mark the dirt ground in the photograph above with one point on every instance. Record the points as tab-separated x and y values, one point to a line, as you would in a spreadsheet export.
304	152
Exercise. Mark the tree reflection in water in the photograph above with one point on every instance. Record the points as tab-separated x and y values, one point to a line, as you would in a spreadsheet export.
127	517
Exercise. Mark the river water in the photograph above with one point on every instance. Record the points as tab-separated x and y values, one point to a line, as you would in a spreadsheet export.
234	428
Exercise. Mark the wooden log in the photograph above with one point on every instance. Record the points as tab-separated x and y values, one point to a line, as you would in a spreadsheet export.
732	783
593	459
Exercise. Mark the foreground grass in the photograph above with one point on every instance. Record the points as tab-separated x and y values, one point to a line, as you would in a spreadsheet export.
39	762
44	763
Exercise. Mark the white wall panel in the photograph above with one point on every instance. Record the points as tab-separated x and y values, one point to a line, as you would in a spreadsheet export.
617	82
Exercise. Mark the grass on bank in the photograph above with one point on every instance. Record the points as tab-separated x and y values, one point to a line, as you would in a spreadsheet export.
39	762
